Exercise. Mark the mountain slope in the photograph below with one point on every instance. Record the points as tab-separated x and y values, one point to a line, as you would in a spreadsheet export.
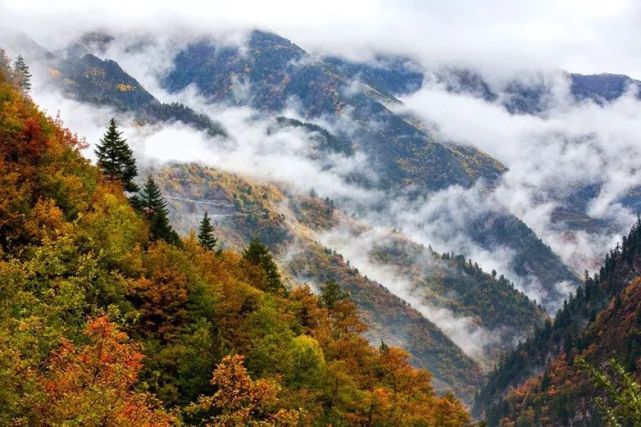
292	225
540	381
93	80
271	73
100	325
244	209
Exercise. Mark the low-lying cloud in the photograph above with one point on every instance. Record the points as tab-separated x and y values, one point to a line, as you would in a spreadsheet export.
571	147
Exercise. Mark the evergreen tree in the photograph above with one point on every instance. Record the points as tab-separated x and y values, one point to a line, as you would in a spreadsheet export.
331	294
116	159
206	233
5	67
259	254
21	74
154	207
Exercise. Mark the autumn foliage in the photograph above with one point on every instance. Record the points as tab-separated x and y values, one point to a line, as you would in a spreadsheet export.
102	325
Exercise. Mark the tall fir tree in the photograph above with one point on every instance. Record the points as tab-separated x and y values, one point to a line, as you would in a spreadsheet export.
206	233
5	65
151	202
21	73
331	294
116	159
258	254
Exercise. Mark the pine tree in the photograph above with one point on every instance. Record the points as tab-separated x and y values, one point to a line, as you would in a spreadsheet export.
154	207
206	233
331	294
259	254
116	159
5	65
22	74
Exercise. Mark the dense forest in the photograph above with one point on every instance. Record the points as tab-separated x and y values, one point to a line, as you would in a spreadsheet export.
109	318
547	379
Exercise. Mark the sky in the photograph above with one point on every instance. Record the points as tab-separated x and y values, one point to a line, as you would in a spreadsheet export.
587	36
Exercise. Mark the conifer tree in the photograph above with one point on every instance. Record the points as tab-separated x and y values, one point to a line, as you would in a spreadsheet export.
116	159
154	207
331	293
5	64
206	233
22	74
259	254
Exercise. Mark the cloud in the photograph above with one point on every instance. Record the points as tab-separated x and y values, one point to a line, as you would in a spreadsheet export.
579	35
573	147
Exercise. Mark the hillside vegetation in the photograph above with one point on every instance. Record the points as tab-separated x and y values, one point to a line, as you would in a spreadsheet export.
545	381
102	325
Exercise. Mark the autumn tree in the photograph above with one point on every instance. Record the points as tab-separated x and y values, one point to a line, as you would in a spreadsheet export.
151	202
22	74
241	401
116	159
206	233
258	254
94	384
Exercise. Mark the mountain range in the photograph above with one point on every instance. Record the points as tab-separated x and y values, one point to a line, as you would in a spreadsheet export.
428	302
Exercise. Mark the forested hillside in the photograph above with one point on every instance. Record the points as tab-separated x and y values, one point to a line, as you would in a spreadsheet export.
545	380
107	319
293	225
244	209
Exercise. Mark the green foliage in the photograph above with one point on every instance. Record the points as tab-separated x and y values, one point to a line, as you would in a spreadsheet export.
116	159
622	404
151	202
259	254
331	294
206	235
21	73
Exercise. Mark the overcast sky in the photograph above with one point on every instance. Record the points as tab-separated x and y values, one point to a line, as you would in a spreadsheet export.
576	35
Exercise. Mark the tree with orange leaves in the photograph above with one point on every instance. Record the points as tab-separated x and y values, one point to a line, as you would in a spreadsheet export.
93	385
241	401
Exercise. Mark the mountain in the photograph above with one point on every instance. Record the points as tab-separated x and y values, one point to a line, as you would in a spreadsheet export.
541	382
101	324
90	79
83	76
271	73
534	94
244	209
294	226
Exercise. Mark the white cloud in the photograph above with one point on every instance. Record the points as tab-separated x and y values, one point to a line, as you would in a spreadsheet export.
550	157
579	35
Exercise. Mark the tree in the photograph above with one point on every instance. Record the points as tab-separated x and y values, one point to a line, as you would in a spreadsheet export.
116	159
21	74
622	404
259	254
5	69
241	401
206	233
95	384
154	207
331	294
